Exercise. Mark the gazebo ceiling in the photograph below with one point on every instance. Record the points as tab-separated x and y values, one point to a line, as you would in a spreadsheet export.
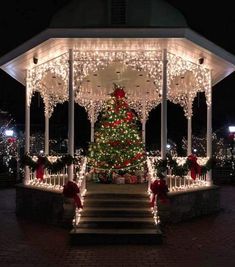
182	42
99	85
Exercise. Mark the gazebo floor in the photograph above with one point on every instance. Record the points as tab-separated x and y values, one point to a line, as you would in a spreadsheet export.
93	187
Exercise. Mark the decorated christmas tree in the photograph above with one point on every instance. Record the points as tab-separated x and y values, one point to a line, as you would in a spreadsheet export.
118	146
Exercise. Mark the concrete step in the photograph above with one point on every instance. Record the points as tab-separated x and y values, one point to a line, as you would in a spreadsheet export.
116	212
124	202
117	222
118	196
116	218
94	236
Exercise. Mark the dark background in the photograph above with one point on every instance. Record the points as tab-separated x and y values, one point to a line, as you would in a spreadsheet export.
21	20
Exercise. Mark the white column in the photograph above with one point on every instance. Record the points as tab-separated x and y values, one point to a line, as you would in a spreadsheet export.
144	131
92	131
209	130
46	134
27	131
92	122
164	106
71	115
189	148
189	118
143	121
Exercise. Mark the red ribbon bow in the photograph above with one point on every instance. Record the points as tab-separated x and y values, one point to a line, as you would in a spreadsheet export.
159	188
195	168
71	190
40	168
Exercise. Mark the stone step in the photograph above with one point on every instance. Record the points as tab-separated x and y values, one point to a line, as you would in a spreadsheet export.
93	236
124	202
116	218
117	223
116	212
105	195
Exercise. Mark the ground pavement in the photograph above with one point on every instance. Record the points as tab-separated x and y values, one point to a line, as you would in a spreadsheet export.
203	242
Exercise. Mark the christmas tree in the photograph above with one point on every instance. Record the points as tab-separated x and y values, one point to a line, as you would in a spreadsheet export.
118	145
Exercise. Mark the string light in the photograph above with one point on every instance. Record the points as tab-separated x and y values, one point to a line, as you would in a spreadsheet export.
184	78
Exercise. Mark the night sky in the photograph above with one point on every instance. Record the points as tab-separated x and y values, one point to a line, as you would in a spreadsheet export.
216	23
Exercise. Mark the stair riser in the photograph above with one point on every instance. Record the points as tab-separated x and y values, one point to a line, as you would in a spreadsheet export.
111	239
88	204
117	225
117	196
111	213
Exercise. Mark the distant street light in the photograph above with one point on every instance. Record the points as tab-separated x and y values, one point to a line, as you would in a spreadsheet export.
168	146
9	133
231	129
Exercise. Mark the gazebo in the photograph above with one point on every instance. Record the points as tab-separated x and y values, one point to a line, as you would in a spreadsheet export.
144	45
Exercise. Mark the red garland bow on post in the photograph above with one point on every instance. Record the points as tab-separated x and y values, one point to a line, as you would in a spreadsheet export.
40	167
194	167
159	188
71	190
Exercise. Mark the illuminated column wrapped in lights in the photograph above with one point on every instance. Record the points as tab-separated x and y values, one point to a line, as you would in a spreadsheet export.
46	134
208	92
92	122
28	95
189	118
143	121
71	115
164	106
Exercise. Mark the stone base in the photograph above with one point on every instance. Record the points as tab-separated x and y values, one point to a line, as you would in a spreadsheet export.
44	206
52	208
191	204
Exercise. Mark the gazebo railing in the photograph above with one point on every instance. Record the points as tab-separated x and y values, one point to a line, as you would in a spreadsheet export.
56	181
177	183
50	180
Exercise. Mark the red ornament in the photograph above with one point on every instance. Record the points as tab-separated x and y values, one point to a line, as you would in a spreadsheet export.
117	122
129	116
119	93
114	143
127	162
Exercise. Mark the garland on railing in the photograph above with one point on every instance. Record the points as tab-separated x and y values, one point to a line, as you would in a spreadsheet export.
54	167
161	166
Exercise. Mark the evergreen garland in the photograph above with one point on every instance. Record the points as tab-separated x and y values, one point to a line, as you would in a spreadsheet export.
53	167
179	170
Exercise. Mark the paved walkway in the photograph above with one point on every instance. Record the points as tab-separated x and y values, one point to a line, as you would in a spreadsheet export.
204	242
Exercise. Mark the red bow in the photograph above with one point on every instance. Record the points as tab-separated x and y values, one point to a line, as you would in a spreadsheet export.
195	168
159	188
40	168
71	190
